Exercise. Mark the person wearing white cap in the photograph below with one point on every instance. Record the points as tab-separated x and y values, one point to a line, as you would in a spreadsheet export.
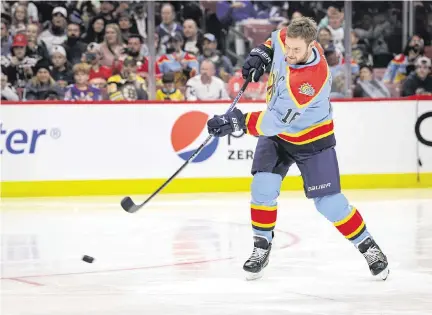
419	82
56	33
62	72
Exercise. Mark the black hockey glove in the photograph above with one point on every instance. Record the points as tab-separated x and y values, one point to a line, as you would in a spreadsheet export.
223	125
257	61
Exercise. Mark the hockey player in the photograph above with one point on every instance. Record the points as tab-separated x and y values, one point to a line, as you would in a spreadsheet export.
297	127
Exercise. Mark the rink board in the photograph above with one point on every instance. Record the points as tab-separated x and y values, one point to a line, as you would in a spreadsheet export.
77	149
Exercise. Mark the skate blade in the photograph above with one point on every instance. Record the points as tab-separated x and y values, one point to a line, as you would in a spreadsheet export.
251	276
383	274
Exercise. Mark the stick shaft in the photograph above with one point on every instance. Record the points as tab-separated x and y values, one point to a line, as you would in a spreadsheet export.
197	151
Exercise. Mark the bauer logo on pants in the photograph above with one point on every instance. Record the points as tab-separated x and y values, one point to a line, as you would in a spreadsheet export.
187	134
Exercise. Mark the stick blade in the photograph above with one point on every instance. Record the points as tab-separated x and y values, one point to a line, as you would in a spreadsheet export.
128	205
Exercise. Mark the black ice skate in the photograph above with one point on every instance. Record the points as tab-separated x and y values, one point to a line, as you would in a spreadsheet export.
259	258
375	258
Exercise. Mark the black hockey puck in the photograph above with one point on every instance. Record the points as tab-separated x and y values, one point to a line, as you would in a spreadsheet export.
88	259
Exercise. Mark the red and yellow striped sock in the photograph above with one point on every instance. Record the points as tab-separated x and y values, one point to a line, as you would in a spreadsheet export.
352	225
263	217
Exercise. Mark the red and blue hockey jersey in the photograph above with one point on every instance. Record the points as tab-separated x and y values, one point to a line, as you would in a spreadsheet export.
299	110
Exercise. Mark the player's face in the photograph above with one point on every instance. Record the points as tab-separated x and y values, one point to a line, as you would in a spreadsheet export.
81	78
297	50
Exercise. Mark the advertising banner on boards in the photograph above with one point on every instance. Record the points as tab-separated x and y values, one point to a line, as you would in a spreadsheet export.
131	141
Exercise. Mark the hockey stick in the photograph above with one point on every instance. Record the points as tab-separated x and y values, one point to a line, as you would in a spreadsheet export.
127	203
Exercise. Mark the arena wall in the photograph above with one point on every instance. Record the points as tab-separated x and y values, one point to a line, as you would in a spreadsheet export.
66	149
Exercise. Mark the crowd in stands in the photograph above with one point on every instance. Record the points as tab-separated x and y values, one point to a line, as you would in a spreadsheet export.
99	50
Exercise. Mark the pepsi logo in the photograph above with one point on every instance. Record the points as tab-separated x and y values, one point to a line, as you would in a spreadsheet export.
186	133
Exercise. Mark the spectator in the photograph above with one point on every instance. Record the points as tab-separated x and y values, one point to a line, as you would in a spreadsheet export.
182	63
419	82
126	26
194	40
42	86
6	38
101	84
139	17
206	86
133	49
336	65
96	31
107	11
231	12
359	50
31	10
82	90
159	48
381	29
403	64
112	47
18	66
8	92
168	28
62	71
122	7
74	46
224	67
324	37
34	49
93	57
367	86
192	10
296	14
336	28
56	33
19	20
169	92
127	85
332	10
